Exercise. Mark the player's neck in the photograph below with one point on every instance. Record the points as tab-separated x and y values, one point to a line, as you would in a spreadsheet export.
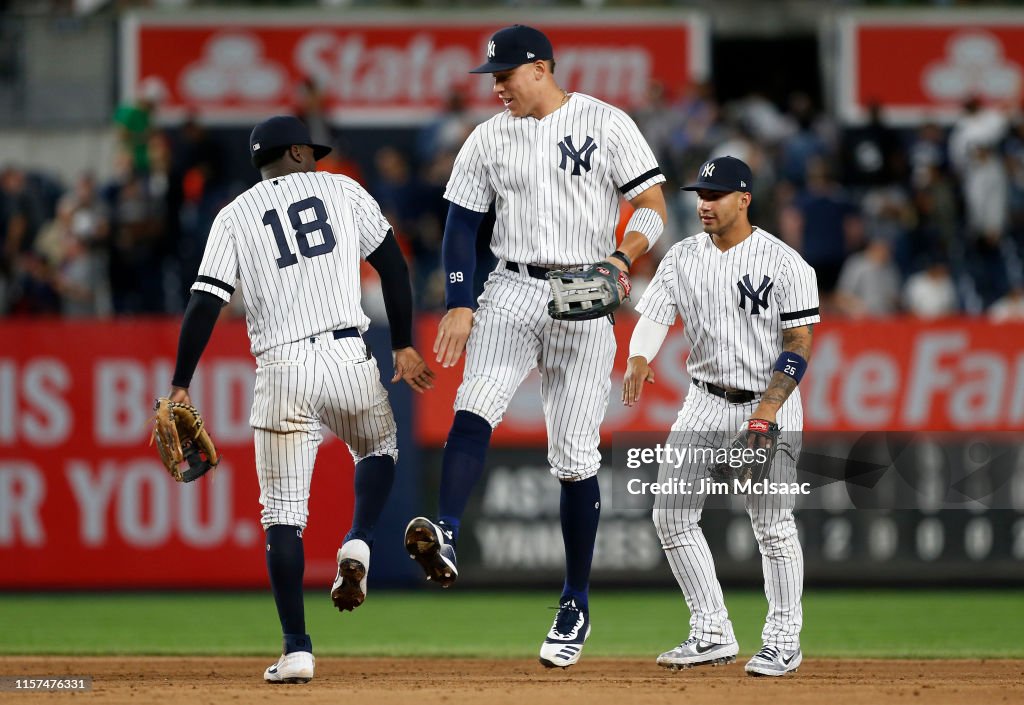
275	171
283	168
733	236
552	101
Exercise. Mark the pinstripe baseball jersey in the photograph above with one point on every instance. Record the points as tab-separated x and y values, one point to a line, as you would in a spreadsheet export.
293	243
734	304
556	181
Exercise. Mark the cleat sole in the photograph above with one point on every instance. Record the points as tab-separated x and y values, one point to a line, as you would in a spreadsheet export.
723	661
422	547
347	596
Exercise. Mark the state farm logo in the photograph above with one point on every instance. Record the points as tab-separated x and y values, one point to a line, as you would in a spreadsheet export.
406	68
425	65
233	67
974	65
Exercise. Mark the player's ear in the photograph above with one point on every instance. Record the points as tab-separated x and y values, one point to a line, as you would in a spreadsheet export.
296	152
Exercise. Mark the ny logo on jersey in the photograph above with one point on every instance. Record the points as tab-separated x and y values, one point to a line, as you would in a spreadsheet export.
490	50
758	297
580	157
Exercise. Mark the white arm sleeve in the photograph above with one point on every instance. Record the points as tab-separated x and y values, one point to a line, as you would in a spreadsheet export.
647	338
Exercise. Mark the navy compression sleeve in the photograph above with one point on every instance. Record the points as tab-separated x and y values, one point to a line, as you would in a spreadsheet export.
458	253
196	328
389	262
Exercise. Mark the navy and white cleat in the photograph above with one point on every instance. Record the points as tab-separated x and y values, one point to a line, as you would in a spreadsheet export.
564	643
432	546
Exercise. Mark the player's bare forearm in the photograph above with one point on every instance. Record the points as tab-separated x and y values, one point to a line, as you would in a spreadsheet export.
795	340
635	244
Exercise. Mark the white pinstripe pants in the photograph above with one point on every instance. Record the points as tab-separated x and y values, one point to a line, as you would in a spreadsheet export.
676	517
299	386
513	333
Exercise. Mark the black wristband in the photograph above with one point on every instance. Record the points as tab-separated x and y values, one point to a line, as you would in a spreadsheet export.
620	255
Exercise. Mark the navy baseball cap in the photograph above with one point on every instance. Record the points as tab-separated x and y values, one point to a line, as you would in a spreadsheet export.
723	174
515	46
282	131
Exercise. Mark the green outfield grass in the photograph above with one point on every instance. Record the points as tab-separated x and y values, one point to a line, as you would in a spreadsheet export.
503	624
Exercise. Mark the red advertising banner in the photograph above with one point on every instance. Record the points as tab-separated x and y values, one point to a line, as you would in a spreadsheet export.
923	65
381	68
84	503
897	374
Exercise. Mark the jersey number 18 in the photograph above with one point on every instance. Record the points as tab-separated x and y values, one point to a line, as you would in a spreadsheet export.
302	231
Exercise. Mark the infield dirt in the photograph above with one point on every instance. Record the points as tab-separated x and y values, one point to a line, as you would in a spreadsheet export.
170	680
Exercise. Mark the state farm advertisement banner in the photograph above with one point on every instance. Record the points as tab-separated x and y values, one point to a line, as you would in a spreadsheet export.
85	503
898	374
924	65
241	67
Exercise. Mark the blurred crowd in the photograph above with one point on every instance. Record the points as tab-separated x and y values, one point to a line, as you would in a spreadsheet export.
927	222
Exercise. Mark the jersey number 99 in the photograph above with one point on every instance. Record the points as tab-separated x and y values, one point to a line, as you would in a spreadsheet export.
302	231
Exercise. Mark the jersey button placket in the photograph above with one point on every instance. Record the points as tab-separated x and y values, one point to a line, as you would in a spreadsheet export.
541	167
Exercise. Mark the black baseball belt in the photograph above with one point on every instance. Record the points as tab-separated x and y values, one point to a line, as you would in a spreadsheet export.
346	333
733	396
531	270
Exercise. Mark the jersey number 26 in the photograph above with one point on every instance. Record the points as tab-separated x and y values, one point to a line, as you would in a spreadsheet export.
302	231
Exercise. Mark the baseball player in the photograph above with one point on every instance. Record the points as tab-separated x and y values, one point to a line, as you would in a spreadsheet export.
293	243
748	304
555	165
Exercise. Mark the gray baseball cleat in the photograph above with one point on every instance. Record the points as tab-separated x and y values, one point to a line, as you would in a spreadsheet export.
773	661
694	652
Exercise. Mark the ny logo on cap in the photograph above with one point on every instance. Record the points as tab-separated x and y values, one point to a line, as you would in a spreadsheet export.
708	169
490	49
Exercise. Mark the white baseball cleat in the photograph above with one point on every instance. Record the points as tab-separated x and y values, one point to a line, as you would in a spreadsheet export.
773	661
296	667
349	588
694	652
564	643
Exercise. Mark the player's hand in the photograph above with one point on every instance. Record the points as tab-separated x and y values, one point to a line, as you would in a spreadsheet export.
638	372
620	266
452	334
180	394
409	365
